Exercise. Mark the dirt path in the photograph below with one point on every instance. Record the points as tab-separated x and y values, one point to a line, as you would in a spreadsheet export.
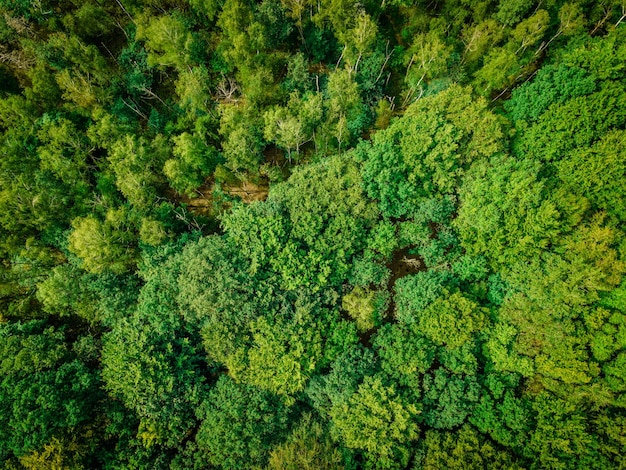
248	192
202	202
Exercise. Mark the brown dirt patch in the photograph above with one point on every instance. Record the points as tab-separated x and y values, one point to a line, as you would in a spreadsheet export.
402	264
201	203
248	192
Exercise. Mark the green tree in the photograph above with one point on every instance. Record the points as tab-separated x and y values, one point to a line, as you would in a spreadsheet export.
167	39
405	354
451	320
240	424
82	73
414	293
47	390
448	399
365	307
285	351
463	449
63	150
428	150
193	162
500	69
561	438
151	358
292	126
104	245
347	371
479	38
511	12
554	135
604	163
426	59
345	117
553	84
309	228
502	415
308	447
66	291
136	164
507	211
242	142
550	295
377	420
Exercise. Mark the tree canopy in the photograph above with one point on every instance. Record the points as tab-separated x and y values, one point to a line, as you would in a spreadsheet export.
286	234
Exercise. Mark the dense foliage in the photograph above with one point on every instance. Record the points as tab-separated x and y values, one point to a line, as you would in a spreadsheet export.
288	234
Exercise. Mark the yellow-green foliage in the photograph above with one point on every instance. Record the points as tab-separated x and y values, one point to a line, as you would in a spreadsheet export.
359	304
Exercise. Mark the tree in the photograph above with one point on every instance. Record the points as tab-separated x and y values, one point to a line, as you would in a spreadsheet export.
104	245
359	40
285	351
451	320
506	212
346	114
347	372
378	421
426	59
264	337
81	71
571	20
502	415
414	293
308	447
240	424
511	12
47	391
479	38
501	351
63	150
448	399
292	126
136	164
365	307
193	162
426	153
53	455
500	69
90	20
405	354
167	39
605	164
66	291
208	8
242	142
193	88
561	437
553	135
553	84
530	31
462	449
550	295
309	228
151	358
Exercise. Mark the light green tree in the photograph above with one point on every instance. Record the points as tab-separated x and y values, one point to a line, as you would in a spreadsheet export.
167	39
377	420
308	447
292	126
104	245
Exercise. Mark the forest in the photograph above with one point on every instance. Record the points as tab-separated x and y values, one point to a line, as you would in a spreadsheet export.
297	234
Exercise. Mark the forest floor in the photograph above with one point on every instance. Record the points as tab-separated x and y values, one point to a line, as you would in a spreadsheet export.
402	264
202	202
248	192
